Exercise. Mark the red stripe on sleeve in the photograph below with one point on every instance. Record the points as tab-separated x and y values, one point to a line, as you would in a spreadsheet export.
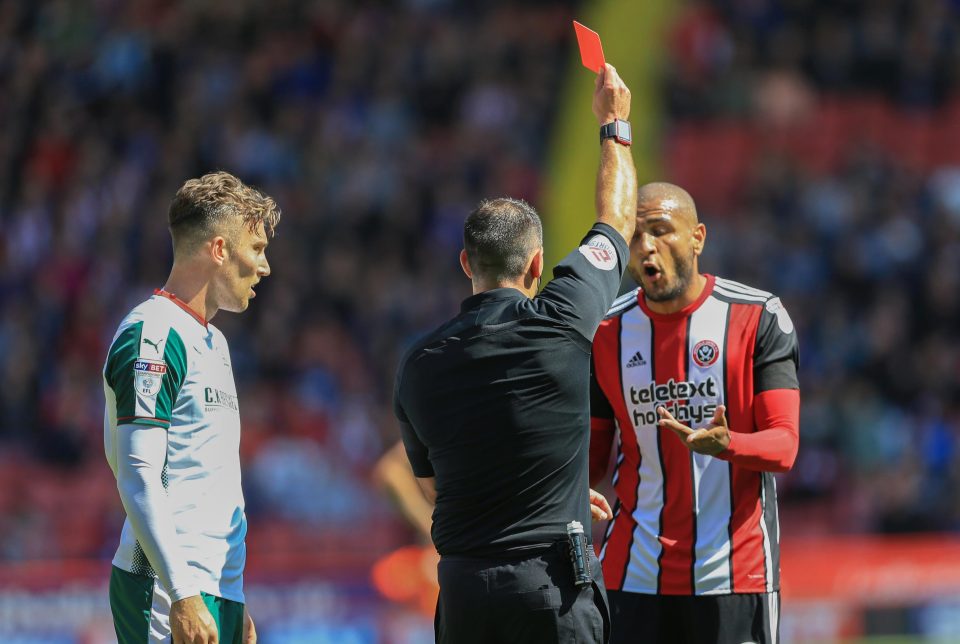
747	560
676	535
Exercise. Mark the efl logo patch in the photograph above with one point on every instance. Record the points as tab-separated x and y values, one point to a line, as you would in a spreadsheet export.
706	352
148	376
776	307
600	252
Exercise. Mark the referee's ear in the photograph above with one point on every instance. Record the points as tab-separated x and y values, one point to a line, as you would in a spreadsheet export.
465	264
536	264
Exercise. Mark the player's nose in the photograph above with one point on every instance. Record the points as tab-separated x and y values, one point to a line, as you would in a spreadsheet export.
648	243
264	269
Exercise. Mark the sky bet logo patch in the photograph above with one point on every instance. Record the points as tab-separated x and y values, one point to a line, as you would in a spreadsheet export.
148	376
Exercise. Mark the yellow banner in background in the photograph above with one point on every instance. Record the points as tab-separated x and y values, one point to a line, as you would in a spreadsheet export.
633	33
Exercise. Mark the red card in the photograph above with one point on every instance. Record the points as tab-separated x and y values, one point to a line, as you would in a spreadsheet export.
591	52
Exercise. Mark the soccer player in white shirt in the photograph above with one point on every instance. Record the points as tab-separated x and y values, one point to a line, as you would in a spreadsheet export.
172	425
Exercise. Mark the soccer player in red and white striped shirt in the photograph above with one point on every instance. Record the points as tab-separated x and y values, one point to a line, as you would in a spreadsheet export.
696	376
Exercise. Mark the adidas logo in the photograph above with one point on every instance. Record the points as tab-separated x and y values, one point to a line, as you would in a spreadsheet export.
636	361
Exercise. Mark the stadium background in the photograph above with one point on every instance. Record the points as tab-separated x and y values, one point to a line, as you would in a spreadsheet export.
820	139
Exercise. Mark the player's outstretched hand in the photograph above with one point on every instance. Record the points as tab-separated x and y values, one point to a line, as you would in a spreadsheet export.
710	440
192	623
599	508
611	96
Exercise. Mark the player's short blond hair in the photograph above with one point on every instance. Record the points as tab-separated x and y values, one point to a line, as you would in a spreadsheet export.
204	205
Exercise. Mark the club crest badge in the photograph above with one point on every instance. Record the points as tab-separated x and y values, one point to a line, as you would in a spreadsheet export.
706	352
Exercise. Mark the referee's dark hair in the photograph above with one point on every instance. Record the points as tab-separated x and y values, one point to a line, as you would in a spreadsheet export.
499	237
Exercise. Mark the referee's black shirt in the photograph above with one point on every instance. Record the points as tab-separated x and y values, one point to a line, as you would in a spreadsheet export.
495	405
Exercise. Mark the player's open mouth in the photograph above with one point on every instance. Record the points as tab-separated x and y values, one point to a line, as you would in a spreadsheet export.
652	272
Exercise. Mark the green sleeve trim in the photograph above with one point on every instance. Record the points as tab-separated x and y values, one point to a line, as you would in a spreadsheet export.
175	355
119	372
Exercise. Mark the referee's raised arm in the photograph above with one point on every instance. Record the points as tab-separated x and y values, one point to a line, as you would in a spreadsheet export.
585	282
616	198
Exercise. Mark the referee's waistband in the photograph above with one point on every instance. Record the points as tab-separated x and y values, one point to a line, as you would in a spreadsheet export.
559	546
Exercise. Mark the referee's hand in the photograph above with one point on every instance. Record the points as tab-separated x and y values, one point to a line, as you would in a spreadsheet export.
611	96
599	508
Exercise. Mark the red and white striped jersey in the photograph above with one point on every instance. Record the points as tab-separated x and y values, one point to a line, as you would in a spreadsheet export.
686	523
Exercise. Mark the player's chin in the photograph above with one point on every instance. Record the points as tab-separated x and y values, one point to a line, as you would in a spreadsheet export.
656	290
239	306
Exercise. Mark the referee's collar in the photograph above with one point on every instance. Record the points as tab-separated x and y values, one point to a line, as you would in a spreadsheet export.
493	295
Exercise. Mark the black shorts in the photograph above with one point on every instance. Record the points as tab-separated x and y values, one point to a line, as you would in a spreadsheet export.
521	600
702	619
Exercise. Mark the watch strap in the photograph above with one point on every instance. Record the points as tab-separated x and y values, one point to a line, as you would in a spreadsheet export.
615	130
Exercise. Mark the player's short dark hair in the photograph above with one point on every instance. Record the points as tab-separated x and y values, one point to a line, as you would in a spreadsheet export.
202	206
499	237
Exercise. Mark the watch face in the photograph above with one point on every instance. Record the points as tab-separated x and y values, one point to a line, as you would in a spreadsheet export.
623	130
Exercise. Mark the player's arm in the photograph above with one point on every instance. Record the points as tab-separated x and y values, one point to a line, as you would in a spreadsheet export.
142	452
249	633
773	447
417	453
428	486
776	403
419	459
393	472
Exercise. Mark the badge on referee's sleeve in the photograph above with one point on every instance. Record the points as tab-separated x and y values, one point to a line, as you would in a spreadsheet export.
600	252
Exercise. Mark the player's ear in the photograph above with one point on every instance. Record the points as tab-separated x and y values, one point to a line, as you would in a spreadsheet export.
465	264
699	238
218	250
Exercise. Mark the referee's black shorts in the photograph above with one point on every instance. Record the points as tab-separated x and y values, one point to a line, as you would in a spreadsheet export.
701	619
528	599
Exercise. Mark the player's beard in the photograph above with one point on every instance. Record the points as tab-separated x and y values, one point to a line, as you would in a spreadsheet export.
683	267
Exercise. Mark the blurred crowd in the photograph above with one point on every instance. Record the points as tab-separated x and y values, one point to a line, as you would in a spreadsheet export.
377	127
903	51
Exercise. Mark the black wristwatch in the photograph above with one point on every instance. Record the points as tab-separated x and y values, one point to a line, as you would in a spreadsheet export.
618	130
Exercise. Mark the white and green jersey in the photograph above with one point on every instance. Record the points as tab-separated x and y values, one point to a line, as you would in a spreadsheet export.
169	369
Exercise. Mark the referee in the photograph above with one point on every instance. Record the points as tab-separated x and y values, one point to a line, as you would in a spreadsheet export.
494	412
